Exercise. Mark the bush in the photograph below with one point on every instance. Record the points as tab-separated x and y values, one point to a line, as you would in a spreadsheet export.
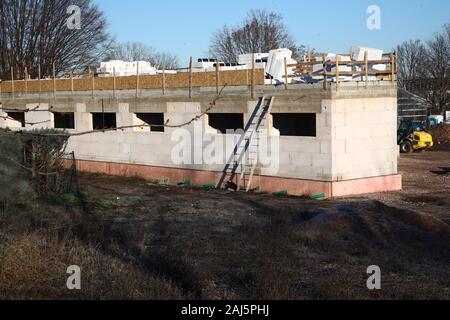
44	152
14	186
31	164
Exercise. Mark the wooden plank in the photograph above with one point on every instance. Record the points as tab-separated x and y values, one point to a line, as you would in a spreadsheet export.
366	68
93	83
26	79
217	76
303	64
347	63
137	79
164	81
342	73
392	67
371	73
114	82
324	70
315	55
39	79
54	81
285	74
364	62
253	76
337	73
190	77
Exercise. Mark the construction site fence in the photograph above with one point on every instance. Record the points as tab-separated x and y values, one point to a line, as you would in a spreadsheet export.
162	81
306	69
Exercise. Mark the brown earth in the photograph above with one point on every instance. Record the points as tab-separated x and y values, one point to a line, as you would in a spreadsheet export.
426	187
141	241
441	134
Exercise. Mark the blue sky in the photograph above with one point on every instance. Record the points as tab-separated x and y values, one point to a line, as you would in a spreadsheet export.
184	28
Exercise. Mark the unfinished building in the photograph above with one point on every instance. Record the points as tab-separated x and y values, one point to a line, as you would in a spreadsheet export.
334	137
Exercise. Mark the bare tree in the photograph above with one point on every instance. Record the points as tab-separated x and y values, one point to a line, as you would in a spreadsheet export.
424	69
438	69
130	51
165	60
411	61
34	32
261	31
134	51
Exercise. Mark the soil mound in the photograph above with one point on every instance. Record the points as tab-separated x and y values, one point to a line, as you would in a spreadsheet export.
376	224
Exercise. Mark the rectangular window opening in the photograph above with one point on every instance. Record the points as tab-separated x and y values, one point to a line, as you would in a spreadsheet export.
64	120
295	124
155	120
226	121
103	121
17	116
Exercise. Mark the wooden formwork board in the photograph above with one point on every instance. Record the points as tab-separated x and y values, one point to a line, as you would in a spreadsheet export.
171	81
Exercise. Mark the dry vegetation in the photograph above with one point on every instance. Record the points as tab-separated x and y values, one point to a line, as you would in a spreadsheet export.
143	241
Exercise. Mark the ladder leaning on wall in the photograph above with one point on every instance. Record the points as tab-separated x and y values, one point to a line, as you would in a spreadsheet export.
246	149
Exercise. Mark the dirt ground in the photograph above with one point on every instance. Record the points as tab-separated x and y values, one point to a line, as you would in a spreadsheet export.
137	240
426	186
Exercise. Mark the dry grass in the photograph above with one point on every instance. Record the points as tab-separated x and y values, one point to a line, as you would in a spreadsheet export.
33	267
145	242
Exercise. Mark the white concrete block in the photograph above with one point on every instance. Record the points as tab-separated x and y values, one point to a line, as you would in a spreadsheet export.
285	158
7	122
338	146
325	146
324	132
321	160
343	132
343	160
184	107
338	119
80	107
300	145
328	106
372	54
301	159
355	118
39	117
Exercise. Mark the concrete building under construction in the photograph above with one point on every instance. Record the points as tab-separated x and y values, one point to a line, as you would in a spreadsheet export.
334	138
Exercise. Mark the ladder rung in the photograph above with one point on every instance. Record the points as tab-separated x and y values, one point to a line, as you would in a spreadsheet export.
248	144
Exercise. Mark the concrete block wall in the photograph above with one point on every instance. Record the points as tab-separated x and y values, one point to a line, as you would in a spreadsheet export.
6	122
141	146
39	117
364	135
356	132
308	157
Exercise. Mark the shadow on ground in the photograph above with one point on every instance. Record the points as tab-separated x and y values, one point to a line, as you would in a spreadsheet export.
140	241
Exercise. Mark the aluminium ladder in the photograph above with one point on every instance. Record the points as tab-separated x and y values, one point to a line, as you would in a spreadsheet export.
256	121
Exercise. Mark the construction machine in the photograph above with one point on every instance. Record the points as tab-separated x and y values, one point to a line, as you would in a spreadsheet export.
411	136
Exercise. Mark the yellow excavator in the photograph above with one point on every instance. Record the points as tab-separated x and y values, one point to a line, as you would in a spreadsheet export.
411	137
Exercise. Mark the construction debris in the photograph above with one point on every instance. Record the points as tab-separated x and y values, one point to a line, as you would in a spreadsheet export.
278	65
121	68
